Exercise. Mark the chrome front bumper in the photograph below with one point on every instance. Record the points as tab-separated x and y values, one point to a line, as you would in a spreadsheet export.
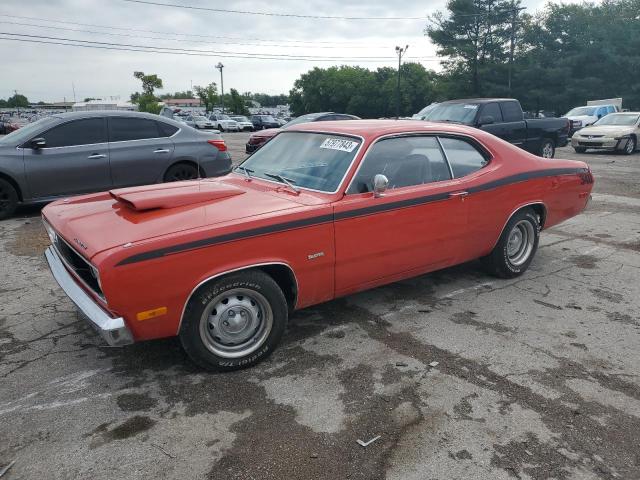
113	330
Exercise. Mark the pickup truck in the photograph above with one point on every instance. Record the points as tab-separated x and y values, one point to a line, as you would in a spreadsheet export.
503	118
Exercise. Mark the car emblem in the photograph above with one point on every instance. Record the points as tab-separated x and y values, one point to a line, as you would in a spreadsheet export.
80	244
590	136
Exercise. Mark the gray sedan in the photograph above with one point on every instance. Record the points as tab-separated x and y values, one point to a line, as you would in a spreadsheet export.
82	152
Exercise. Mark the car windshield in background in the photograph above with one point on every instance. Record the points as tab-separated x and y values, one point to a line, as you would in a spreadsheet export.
453	112
240	119
310	117
622	119
223	117
267	118
25	133
317	161
576	112
200	118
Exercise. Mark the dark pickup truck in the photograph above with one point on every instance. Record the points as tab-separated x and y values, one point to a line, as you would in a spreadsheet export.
503	117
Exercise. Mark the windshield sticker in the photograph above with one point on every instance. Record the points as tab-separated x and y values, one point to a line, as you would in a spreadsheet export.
473	107
339	144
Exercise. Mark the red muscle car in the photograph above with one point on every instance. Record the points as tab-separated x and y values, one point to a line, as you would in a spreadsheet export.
321	211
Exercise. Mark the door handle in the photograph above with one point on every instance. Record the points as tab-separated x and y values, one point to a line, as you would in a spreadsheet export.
161	150
458	194
94	156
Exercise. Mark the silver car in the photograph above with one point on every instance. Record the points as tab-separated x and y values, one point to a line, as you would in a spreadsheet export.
82	152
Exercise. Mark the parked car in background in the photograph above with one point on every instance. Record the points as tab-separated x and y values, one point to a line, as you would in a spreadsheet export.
322	211
258	139
422	114
261	122
504	118
201	122
616	131
91	151
7	126
581	117
224	123
244	124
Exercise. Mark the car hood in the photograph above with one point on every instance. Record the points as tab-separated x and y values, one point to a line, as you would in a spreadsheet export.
607	130
106	220
583	118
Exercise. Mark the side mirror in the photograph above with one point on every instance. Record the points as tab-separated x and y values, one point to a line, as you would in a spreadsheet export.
38	143
380	183
486	120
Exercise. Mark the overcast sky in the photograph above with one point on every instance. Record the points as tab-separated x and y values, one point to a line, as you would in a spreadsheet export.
49	72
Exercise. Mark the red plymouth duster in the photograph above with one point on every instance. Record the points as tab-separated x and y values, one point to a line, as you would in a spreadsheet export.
321	211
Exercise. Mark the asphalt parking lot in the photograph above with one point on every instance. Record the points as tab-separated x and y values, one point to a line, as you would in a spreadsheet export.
461	375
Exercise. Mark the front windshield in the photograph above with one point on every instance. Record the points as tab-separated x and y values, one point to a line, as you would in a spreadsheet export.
580	111
267	118
25	133
240	119
200	118
317	161
309	117
453	112
622	119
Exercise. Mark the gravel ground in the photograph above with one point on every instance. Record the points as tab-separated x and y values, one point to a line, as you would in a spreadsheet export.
536	377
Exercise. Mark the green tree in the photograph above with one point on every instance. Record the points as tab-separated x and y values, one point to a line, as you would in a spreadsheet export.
185	94
147	101
17	100
237	103
208	95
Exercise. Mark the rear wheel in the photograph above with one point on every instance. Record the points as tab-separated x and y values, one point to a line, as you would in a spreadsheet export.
8	199
547	148
235	321
181	171
580	149
516	247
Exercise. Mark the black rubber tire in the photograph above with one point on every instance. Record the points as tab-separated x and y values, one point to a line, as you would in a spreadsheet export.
497	262
627	150
181	171
220	128
580	149
8	199
547	142
190	330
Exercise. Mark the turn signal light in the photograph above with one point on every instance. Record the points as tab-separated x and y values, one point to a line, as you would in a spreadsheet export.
219	144
149	314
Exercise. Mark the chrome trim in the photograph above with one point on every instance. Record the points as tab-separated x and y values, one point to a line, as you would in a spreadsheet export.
184	309
538	202
421	133
113	330
362	142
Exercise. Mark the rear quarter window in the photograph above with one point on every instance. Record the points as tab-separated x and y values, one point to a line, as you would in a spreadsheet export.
463	157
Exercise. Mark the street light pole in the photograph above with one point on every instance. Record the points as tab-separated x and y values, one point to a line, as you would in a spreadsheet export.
219	66
400	51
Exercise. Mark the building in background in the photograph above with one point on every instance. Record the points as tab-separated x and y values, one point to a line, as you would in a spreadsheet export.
103	105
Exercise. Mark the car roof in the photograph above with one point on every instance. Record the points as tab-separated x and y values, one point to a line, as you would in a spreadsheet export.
480	100
375	128
106	113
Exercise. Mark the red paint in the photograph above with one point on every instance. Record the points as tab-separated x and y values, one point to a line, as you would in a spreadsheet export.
359	252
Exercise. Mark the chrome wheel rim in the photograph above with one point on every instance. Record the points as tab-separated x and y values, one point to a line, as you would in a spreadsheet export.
630	145
236	323
547	150
520	242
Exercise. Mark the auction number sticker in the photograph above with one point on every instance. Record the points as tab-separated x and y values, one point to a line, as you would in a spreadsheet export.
339	144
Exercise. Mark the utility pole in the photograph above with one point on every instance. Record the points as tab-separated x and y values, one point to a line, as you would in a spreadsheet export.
399	51
514	15
73	87
220	67
17	104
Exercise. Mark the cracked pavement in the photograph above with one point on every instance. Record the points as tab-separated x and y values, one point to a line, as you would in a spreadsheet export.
537	377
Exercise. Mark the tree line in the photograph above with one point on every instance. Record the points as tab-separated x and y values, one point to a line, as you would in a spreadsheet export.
556	59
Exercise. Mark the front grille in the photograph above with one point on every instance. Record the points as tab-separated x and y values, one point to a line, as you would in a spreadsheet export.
74	261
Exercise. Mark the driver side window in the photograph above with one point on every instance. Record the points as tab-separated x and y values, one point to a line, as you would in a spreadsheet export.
405	161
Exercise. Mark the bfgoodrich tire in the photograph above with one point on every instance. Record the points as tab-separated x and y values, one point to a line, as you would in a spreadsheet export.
234	322
8	199
516	247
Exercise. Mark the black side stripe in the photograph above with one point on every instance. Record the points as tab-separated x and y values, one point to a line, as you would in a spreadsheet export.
280	227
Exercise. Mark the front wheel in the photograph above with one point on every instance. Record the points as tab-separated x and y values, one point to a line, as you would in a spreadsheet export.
8	199
516	247
547	148
630	147
235	321
580	149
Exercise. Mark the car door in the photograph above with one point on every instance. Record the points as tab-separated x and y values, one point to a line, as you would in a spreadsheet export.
496	128
416	226
75	159
515	128
140	150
